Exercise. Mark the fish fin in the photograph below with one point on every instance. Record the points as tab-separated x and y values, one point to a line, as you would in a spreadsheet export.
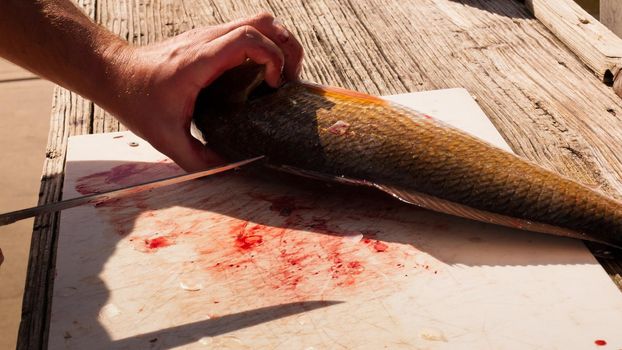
315	175
444	206
447	207
336	92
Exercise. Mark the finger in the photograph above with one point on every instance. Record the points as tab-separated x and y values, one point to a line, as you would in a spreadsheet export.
274	30
188	152
292	49
233	48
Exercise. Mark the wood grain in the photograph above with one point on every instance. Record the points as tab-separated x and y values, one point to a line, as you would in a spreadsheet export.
546	102
611	15
596	45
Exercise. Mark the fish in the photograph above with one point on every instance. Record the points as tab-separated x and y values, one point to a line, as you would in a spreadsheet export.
344	136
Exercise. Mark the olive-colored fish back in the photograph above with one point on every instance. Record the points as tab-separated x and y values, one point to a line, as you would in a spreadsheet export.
362	137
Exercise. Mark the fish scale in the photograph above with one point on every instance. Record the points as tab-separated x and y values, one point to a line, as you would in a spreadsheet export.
402	152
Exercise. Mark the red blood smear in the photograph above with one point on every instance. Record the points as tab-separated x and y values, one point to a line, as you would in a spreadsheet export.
248	242
600	342
123	175
380	247
157	243
354	264
294	260
108	202
246	237
281	262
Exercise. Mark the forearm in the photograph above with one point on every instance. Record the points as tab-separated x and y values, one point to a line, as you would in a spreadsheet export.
54	39
151	89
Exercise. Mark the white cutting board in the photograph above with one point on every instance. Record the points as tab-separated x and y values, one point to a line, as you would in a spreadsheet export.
241	262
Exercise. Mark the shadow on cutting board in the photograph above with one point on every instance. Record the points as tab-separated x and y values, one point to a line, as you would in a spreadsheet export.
193	332
270	198
239	213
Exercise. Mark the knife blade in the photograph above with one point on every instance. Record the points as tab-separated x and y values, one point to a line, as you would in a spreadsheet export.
11	217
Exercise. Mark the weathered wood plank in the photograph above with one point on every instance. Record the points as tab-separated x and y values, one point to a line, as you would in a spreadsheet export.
611	15
70	116
68	113
547	103
589	39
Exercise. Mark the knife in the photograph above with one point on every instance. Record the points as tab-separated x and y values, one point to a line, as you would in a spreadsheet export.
11	217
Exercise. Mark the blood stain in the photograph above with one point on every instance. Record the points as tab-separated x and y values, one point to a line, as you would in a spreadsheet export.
356	266
339	128
600	342
157	243
107	202
124	174
247	238
380	247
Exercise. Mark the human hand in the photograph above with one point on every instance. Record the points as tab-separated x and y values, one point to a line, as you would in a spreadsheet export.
152	89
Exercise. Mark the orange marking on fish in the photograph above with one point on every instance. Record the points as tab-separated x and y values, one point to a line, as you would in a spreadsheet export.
343	94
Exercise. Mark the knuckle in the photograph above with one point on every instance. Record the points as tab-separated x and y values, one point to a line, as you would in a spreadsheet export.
247	32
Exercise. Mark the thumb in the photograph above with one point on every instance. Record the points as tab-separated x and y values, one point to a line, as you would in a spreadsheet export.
190	154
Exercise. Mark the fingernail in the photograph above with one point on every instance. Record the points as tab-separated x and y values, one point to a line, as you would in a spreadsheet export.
298	70
283	37
282	34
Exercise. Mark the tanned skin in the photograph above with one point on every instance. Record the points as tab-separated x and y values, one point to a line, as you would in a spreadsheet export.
151	89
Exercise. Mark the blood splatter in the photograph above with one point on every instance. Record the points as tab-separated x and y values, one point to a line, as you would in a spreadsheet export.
248	241
157	243
293	258
355	265
600	342
247	237
288	247
380	247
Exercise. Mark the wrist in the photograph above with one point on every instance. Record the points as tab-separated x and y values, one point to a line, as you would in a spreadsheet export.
125	84
110	86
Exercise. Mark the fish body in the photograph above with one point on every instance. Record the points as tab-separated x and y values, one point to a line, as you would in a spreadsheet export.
346	136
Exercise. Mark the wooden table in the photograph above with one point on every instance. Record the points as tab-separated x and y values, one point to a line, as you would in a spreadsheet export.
549	106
